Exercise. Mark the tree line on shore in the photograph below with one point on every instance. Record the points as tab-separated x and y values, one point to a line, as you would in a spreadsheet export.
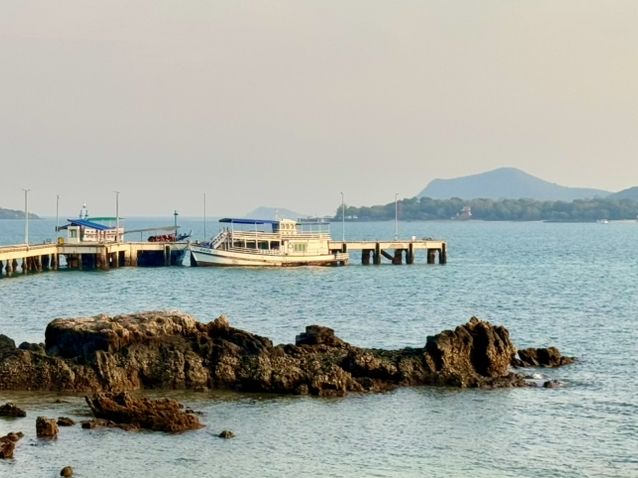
425	208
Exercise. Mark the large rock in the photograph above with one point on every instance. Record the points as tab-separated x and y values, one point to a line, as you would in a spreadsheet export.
159	415
173	350
46	427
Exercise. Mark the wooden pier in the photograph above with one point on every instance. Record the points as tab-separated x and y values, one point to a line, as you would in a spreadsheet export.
25	258
397	252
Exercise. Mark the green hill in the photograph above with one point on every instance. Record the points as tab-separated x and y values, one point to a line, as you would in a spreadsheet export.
15	214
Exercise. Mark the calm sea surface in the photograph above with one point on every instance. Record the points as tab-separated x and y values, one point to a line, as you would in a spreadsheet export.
574	286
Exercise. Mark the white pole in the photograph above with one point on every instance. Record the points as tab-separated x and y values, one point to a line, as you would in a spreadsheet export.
117	216
57	212
343	219
205	236
396	216
26	216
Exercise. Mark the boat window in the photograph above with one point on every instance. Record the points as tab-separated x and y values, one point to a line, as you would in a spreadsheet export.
263	245
274	245
251	245
299	247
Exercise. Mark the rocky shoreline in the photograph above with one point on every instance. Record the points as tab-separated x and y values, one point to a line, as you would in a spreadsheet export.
172	350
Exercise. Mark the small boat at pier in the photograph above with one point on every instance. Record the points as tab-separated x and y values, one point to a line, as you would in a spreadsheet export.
245	242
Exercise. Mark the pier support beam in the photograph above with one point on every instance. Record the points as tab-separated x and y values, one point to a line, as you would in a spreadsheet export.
167	256
410	254
431	256
365	257
376	258
44	262
398	257
443	255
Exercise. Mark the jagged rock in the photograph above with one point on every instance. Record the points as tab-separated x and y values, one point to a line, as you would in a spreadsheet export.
172	350
37	348
159	415
65	422
10	409
67	471
541	357
226	434
474	354
46	427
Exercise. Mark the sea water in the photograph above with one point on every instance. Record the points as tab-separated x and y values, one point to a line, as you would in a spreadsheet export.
573	286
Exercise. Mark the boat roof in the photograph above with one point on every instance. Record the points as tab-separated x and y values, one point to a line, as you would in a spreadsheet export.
87	223
239	220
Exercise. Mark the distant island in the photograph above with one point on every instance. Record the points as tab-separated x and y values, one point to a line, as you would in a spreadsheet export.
506	183
15	214
418	209
504	194
273	213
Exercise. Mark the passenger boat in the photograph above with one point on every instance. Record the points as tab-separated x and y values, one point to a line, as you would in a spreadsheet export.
245	242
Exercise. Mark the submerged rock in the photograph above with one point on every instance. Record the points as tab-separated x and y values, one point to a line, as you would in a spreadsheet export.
541	357
67	471
172	350
226	434
65	422
159	415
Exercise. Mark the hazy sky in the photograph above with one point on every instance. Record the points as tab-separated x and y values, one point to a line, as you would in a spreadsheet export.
289	103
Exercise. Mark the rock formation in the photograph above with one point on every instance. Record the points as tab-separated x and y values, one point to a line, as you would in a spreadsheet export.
173	350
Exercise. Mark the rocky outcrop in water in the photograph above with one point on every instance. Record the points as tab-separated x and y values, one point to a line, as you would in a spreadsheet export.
8	444
173	350
541	357
46	427
159	415
11	410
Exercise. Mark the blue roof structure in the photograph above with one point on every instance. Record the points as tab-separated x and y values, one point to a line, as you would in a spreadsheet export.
87	223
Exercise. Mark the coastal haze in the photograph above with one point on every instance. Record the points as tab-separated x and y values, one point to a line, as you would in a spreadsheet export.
289	104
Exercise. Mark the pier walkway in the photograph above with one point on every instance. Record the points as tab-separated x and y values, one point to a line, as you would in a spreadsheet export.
25	258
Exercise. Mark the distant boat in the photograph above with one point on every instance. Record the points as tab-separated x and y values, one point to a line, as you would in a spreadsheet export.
244	242
602	221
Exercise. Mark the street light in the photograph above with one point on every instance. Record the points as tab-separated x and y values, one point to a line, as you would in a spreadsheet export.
343	220
57	212
396	216
26	215
117	216
205	217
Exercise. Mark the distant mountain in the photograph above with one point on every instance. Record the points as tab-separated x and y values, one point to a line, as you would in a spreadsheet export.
630	193
506	183
15	214
273	213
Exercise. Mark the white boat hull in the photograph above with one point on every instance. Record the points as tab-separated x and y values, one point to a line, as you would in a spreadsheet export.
203	256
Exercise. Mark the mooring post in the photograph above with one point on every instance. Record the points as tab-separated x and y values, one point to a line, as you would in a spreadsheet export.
410	252
376	258
443	254
431	256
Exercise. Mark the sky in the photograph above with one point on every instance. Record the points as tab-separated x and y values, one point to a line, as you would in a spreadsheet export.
231	105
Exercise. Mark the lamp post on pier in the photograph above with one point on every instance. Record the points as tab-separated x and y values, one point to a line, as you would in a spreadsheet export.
26	215
57	212
343	219
396	216
117	216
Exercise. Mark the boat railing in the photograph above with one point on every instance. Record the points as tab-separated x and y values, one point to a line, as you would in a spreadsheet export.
246	250
218	239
